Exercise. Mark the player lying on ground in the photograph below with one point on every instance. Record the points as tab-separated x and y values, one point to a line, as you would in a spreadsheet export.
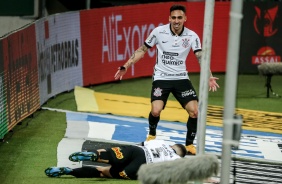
124	161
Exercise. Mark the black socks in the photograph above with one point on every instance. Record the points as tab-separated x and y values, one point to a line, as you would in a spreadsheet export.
85	172
191	130
153	123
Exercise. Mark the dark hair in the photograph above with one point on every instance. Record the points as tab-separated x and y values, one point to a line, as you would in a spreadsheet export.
182	150
178	7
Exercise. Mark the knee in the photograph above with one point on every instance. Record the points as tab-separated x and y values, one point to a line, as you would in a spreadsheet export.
156	112
193	114
192	108
157	107
104	172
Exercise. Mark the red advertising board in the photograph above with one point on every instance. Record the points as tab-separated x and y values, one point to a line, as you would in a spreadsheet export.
20	75
110	36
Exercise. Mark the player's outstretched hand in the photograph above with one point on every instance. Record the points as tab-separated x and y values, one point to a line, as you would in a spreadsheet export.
121	71
213	85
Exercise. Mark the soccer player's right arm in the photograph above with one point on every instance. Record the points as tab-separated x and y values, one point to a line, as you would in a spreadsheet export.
136	56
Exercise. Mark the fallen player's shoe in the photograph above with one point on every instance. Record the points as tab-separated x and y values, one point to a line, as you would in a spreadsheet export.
57	171
83	156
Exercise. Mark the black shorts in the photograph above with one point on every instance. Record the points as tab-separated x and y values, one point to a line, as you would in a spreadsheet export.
126	161
182	90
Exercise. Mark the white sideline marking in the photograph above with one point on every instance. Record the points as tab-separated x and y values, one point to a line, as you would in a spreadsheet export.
63	152
101	130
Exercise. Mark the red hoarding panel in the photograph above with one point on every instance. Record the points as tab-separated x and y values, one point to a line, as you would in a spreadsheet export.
3	97
21	74
110	36
220	36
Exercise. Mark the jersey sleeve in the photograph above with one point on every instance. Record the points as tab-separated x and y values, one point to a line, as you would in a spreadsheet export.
152	39
196	44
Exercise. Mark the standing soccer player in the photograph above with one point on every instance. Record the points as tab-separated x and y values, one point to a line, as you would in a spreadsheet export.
173	42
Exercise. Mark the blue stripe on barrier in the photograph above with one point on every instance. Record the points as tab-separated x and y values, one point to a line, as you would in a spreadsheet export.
128	129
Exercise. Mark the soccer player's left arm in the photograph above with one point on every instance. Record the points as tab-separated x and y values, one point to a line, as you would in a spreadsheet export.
212	80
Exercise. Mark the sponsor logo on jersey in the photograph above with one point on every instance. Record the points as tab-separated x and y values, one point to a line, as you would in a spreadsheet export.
175	45
170	53
167	151
147	155
163	32
197	44
172	62
174	74
157	92
169	59
188	93
118	153
149	40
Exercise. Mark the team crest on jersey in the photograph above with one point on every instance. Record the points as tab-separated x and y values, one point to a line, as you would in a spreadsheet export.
118	153
158	92
185	43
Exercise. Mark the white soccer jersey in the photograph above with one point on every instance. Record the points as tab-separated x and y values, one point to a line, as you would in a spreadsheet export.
158	151
172	51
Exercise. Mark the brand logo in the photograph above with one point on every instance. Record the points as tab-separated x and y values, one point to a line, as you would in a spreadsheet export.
118	41
60	56
172	74
163	32
172	62
266	55
151	39
185	43
164	41
169	59
118	153
264	21
197	43
157	92
188	93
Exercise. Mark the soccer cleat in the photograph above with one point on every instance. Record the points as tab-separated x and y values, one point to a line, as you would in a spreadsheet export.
191	149
83	156
151	137
57	171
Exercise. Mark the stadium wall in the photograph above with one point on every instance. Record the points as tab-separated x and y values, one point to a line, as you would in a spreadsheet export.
56	53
